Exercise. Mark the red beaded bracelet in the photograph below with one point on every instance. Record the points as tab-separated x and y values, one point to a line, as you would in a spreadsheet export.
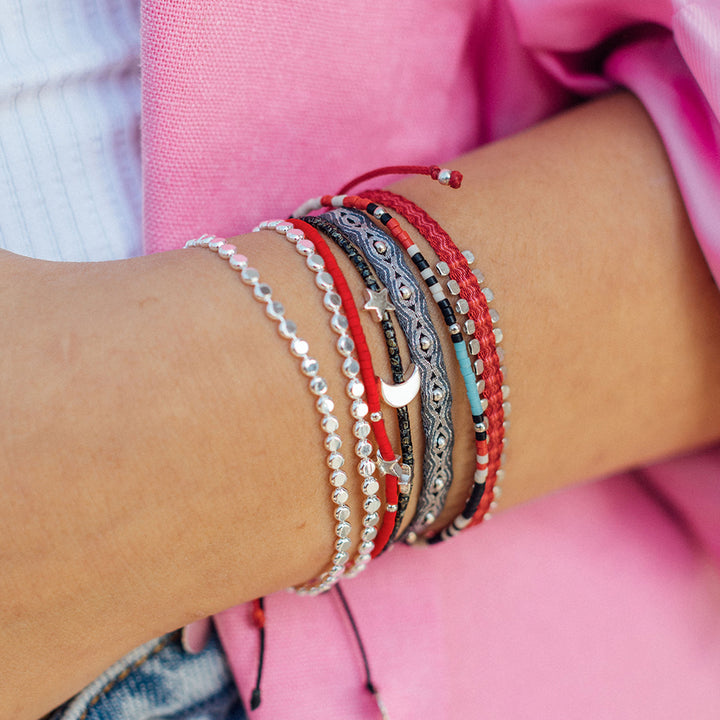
387	458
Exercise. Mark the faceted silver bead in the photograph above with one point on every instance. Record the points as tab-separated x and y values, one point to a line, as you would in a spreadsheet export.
355	389
468	255
366	468
443	268
371	520
343	544
249	275
287	328
498	333
454	328
494	316
332	301
329	424
368	534
474	346
453	287
333	442
315	262
305	247
370	486
480	277
324	404
318	385
480	386
484	404
324	281
342	530
342	512
361	429
338	478
380	246
345	345
488	293
507	409
340	558
505	391
350	367
371	504
479	366
310	366
335	461
366	548
339	323
501	354
238	261
275	310
283	226
425	342
359	409
363	449
376	417
299	347
462	306
262	291
405	292
340	496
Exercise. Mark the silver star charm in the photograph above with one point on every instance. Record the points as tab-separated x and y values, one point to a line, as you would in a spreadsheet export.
378	302
392	467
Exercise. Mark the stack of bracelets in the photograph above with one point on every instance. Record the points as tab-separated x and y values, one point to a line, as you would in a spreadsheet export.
363	228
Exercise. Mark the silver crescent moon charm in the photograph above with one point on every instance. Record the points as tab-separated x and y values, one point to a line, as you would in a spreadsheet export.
403	393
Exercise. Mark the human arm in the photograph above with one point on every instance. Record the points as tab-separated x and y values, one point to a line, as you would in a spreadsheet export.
156	425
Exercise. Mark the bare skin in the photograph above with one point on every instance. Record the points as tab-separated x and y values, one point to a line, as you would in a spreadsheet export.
160	458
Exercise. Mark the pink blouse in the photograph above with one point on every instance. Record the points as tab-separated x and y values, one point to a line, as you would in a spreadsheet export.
603	602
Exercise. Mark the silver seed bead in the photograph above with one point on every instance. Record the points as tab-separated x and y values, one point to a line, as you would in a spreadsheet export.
376	416
287	328
366	548
355	389
345	345
381	247
340	558
340	496
368	534
501	354
425	342
443	268
438	484
275	310
324	281
411	538
343	544
462	306
318	385
507	409
453	287
361	429
339	323
469	326
324	404
299	347
350	367
438	394
444	176
333	442
505	391
484	404
310	366
329	424
479	366
468	255
372	504
338	478
474	346
480	277
249	275
480	386
359	409
342	513
367	467
405	292
488	293
429	519
342	530
498	333
454	328
371	520
335	461
440	441
494	316
370	486
363	449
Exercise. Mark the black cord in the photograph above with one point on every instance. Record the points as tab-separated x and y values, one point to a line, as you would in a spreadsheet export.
259	619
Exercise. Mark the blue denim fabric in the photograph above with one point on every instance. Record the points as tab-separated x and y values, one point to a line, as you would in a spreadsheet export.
160	680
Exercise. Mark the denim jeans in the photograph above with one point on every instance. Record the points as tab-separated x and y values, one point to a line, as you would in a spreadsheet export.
160	680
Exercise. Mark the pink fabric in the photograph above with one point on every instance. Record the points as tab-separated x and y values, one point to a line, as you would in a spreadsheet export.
601	602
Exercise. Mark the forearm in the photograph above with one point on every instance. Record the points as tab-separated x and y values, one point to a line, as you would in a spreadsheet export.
160	455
